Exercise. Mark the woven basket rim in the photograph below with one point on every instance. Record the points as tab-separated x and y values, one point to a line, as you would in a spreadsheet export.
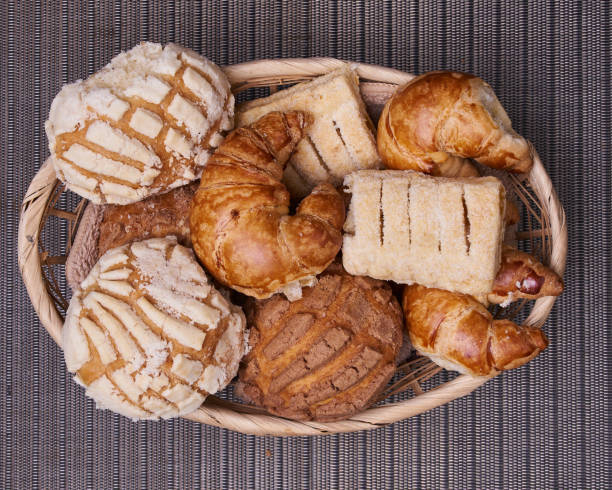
275	72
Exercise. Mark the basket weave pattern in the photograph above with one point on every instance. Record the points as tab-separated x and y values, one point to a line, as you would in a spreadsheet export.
545	235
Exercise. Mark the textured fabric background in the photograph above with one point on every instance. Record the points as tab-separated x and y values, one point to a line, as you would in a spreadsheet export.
545	425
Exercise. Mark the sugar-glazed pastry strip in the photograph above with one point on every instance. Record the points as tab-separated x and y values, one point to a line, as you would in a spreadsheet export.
411	228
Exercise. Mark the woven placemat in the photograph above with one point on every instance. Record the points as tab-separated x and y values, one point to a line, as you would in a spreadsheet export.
545	425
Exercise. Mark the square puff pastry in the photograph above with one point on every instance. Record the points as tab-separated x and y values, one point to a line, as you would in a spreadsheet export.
410	228
341	138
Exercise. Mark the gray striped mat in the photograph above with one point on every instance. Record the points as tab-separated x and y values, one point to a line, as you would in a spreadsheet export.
546	425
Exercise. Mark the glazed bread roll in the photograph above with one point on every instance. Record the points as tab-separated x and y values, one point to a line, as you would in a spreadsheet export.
458	333
441	117
409	228
340	139
240	224
326	356
148	336
146	123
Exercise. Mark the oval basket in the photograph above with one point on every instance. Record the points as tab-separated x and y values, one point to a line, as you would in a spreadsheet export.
544	232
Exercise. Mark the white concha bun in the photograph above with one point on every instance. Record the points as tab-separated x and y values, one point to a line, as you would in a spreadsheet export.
144	124
148	336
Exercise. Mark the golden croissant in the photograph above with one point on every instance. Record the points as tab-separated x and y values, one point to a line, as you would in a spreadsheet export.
458	333
439	118
240	224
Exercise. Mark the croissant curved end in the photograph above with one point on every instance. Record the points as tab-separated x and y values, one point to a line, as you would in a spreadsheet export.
240	223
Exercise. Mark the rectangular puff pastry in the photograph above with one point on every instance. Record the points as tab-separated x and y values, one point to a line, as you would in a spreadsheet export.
409	228
341	138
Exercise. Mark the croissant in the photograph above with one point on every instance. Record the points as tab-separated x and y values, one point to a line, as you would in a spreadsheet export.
441	115
458	333
240	224
455	167
522	276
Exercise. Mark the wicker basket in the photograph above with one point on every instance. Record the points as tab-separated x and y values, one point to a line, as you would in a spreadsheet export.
545	234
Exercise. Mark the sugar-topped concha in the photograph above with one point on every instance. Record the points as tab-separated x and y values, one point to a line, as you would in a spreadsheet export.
142	125
148	336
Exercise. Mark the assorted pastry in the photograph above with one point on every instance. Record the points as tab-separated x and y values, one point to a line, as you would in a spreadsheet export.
303	254
326	355
148	335
144	124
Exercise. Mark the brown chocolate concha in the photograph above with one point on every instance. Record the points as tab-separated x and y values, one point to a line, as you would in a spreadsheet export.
325	356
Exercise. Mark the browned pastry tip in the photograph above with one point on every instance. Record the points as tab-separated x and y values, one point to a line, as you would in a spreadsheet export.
459	333
326	356
521	275
240	224
442	115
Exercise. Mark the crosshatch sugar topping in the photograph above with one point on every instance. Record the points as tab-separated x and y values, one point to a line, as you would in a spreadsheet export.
148	336
144	124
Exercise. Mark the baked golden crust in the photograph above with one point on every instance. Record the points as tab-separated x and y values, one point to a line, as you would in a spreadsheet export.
155	217
323	357
442	115
521	275
240	227
458	333
103	227
340	139
142	125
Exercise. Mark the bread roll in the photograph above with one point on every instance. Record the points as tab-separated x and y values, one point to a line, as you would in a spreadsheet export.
409	228
340	139
148	336
326	356
456	332
103	227
142	125
240	224
441	116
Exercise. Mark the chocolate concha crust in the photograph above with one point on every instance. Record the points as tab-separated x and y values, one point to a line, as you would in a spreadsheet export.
325	356
108	226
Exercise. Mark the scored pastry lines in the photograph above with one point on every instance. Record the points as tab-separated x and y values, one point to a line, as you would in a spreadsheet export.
339	141
351	347
134	348
372	369
406	216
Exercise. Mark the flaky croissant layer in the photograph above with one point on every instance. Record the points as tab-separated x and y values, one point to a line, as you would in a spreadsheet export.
521	275
240	224
459	333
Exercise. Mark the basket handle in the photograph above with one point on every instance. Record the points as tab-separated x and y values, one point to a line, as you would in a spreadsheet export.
299	68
